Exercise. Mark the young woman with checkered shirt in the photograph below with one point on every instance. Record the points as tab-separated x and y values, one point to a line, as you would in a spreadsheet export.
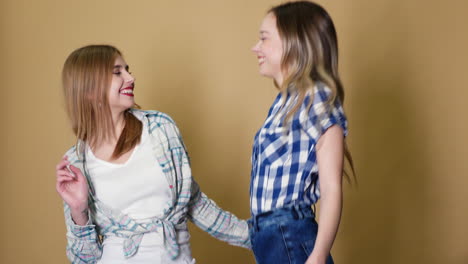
298	152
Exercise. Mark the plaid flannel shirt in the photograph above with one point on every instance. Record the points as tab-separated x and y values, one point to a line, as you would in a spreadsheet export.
188	202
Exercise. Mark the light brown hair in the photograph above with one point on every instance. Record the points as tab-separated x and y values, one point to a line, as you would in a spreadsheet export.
86	78
310	54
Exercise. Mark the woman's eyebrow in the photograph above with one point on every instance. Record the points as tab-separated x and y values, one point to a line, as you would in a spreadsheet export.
121	66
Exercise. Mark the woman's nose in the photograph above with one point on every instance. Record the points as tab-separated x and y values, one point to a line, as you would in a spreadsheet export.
129	78
255	48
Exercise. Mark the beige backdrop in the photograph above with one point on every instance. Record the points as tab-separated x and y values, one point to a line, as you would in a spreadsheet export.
403	64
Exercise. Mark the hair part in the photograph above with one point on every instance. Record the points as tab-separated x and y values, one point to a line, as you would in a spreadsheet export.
86	79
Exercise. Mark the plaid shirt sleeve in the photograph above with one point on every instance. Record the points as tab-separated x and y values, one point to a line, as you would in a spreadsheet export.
324	114
208	216
222	225
83	244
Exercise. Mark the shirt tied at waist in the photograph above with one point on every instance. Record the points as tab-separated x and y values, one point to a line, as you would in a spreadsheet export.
133	230
132	242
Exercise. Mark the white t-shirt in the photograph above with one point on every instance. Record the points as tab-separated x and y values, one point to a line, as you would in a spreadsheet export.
139	189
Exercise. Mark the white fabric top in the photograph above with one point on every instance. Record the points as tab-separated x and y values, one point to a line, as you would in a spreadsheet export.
139	189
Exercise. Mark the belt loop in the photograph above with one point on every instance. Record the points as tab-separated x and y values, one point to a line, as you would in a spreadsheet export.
298	211
255	223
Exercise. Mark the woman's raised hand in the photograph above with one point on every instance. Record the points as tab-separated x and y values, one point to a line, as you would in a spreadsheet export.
72	187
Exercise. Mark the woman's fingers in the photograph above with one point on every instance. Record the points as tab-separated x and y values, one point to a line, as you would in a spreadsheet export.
61	184
74	169
65	173
64	179
77	172
62	164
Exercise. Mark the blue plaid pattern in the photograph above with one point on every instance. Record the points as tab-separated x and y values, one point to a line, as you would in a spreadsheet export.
188	202
284	163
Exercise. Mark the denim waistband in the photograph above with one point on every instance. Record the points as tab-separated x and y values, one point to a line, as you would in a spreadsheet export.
289	212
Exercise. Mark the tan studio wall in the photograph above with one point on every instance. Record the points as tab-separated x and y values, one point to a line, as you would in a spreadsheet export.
403	64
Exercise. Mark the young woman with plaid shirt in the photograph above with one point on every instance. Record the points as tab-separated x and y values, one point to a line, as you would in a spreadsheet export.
126	185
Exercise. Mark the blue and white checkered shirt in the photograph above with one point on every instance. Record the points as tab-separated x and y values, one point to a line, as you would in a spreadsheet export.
284	162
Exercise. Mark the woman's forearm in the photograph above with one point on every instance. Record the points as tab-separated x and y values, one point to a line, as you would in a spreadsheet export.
329	220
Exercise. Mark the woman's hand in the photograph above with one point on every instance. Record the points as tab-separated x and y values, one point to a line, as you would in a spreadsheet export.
72	187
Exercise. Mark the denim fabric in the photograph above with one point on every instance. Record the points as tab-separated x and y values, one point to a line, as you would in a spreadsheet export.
284	235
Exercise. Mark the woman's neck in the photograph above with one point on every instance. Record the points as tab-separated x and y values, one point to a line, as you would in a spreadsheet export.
118	121
278	79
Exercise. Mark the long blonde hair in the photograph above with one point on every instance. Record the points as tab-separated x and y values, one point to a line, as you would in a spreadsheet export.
86	78
310	54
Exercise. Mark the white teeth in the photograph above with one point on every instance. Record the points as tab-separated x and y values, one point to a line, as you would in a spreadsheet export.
127	91
261	60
